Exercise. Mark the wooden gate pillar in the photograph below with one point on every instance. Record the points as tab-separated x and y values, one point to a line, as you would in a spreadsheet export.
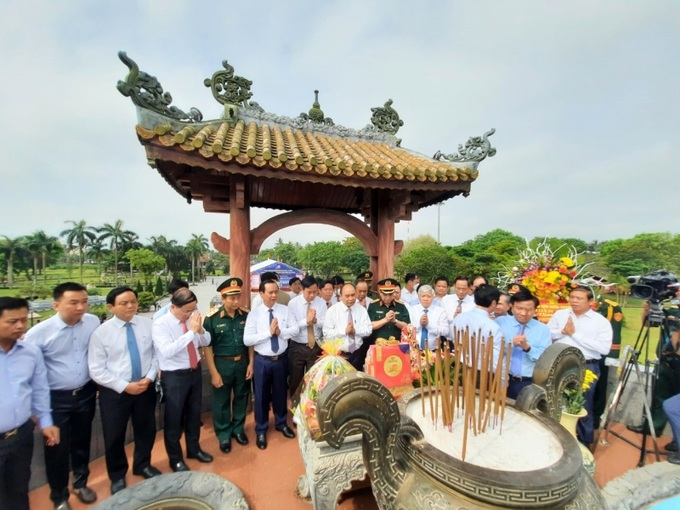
382	223
239	234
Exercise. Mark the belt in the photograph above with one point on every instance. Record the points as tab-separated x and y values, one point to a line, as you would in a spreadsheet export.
74	391
518	378
272	358
11	433
229	358
592	361
183	370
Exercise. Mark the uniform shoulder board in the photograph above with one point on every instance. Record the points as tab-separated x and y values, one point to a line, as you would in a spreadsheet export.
400	302
375	300
213	311
244	310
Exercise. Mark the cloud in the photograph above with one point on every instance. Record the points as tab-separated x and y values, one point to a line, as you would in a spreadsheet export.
583	97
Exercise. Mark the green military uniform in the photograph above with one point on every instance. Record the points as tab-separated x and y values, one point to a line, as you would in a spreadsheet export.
612	311
377	311
231	361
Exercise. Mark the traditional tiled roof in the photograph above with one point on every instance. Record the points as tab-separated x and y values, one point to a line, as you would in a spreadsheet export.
304	151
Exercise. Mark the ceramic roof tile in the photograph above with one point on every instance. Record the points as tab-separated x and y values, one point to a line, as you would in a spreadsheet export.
296	150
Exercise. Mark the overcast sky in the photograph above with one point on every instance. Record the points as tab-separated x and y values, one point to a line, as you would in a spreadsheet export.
584	97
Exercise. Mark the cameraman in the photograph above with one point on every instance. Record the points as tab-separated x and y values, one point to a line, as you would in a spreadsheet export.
668	381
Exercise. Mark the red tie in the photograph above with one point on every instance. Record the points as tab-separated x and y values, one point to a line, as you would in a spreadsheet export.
193	358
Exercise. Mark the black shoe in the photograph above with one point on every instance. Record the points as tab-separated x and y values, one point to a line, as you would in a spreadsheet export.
638	429
672	446
117	486
147	472
62	506
674	458
241	439
85	494
179	466
201	456
643	429
287	432
261	441
225	446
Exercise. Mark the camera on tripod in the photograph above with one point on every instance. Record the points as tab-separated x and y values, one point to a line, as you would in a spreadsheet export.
654	287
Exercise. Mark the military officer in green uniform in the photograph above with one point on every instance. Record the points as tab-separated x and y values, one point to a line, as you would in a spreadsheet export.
230	364
367	276
388	316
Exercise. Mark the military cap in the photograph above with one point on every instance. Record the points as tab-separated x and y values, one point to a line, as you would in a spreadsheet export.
387	285
230	287
516	287
366	276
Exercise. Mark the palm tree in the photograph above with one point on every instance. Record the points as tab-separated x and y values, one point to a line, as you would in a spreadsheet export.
117	237
197	246
39	245
98	253
10	247
80	236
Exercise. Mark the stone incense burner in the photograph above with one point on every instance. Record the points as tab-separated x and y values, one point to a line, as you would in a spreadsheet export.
528	462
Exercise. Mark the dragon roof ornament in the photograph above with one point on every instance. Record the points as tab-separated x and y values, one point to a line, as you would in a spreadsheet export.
146	91
228	88
476	148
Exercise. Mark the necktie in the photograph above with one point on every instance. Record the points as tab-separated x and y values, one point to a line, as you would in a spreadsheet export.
275	338
516	361
310	331
135	360
423	334
459	308
350	320
193	357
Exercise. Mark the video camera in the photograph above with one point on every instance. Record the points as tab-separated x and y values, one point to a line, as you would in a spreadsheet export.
654	287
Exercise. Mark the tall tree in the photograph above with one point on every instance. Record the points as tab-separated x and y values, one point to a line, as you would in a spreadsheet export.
39	245
80	236
196	247
117	237
10	248
98	253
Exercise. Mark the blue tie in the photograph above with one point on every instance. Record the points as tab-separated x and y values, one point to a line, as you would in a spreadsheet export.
135	360
423	334
516	362
275	338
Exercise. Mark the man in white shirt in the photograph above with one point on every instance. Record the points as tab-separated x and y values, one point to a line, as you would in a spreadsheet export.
409	295
177	337
268	328
349	321
362	293
459	302
327	292
582	327
308	310
123	363
295	285
430	321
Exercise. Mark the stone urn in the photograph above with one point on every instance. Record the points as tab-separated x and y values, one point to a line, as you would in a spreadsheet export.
528	461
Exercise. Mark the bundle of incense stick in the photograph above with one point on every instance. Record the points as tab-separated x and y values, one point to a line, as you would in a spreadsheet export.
473	370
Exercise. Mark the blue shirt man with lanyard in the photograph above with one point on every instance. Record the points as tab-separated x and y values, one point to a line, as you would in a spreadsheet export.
64	339
25	393
527	337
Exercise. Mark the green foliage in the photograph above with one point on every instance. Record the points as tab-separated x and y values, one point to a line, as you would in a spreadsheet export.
34	291
641	254
323	258
145	261
159	288
487	254
283	252
428	262
139	288
145	299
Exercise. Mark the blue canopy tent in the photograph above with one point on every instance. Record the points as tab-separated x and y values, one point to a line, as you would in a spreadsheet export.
285	272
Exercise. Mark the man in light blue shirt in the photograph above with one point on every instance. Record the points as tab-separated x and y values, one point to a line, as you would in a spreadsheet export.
478	322
24	393
63	340
527	337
